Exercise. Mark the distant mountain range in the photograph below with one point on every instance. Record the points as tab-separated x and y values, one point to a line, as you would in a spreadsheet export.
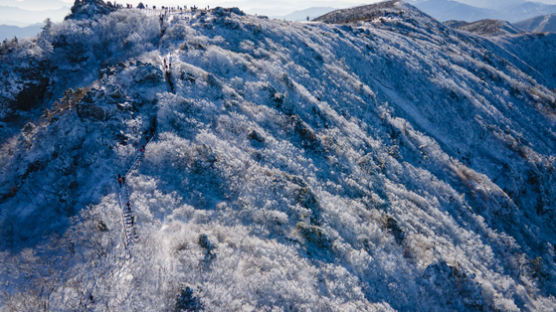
525	11
35	5
27	18
462	10
491	27
511	11
302	15
444	10
546	23
9	31
16	16
487	4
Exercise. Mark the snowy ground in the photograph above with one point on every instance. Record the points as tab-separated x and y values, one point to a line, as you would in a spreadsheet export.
390	164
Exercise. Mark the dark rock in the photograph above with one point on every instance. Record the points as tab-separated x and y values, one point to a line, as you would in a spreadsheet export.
91	111
316	238
147	74
73	185
31	96
35	166
307	199
392	225
208	246
205	242
101	226
309	138
255	136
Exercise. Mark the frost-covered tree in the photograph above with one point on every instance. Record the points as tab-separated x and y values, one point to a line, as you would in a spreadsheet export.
47	25
187	302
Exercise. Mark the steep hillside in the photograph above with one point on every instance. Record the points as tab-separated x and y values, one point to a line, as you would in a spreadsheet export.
537	53
375	161
531	53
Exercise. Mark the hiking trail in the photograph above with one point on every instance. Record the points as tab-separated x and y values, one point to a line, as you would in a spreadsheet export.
129	218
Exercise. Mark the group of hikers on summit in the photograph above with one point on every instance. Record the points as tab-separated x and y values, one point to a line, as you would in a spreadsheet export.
178	8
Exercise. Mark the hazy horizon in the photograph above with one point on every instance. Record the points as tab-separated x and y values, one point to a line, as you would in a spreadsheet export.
36	11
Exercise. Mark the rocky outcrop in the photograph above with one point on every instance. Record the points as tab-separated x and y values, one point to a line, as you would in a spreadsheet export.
84	9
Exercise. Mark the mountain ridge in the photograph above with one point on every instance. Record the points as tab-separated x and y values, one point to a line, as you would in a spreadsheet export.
486	27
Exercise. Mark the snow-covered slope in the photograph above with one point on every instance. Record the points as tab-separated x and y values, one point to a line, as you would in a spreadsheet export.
537	53
388	164
543	23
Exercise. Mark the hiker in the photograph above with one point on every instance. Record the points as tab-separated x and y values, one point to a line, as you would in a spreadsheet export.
120	180
123	180
132	220
165	66
142	149
128	206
